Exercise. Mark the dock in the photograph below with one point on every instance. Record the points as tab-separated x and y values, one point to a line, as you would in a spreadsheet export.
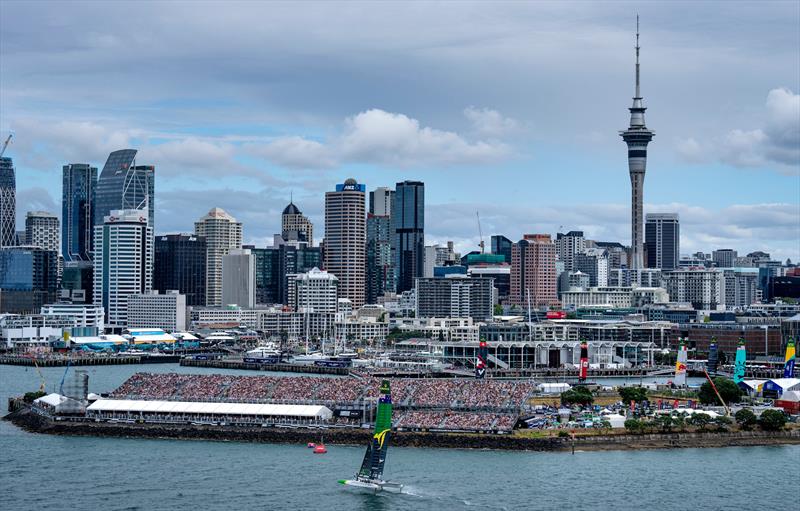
101	360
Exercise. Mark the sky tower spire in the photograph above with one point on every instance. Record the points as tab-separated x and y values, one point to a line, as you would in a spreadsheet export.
637	136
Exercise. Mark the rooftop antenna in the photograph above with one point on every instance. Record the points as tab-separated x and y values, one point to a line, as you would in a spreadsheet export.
638	95
5	145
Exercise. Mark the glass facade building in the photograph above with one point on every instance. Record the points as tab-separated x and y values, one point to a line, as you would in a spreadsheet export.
180	265
662	239
125	185
78	189
8	203
408	218
28	279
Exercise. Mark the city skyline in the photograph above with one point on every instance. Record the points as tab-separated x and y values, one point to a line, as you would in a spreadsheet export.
473	148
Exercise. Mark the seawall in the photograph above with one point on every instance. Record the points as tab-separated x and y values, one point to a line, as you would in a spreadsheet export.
33	422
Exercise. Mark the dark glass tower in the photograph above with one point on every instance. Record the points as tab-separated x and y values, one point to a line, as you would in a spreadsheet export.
408	218
180	264
637	136
77	211
8	203
502	246
125	185
662	236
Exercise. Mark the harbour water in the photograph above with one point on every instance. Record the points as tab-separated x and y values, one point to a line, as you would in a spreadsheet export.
53	472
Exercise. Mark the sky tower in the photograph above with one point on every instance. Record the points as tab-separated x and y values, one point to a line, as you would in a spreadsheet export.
637	136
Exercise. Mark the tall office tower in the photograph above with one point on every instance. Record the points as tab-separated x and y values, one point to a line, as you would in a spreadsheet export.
28	279
408	219
8	203
180	265
380	263
662	236
41	230
637	136
533	271
123	263
502	246
77	211
567	245
724	257
295	226
125	185
222	233
239	278
594	263
345	239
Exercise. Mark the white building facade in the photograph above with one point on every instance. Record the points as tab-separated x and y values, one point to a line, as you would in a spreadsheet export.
166	311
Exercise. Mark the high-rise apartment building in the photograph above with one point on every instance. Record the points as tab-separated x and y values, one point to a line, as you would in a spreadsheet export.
662	237
533	271
408	219
567	245
77	211
345	239
222	233
724	257
180	265
636	137
123	263
8	203
455	297
314	291
295	226
41	230
123	185
239	278
704	289
380	238
594	263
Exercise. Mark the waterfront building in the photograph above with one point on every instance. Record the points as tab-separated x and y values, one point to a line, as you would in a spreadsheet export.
28	279
78	189
123	264
533	271
86	319
568	246
594	263
180	264
455	297
361	330
165	311
41	230
704	289
637	137
295	226
77	281
222	234
615	297
408	220
724	257
266	274
239	278
662	236
21	332
8	203
345	239
123	185
502	246
314	291
759	340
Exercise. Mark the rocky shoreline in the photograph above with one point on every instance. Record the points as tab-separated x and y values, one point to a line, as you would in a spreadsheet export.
35	423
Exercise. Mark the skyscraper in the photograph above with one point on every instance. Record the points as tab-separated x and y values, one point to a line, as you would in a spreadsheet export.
637	136
123	263
662	236
180	265
77	211
380	263
345	239
568	245
222	233
125	185
502	246
8	203
408	217
533	271
295	226
28	279
594	263
239	278
41	230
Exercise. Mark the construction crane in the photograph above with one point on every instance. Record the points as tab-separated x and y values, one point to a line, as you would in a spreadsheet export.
43	385
5	145
480	231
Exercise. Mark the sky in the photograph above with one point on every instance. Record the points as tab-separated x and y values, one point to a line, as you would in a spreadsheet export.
509	109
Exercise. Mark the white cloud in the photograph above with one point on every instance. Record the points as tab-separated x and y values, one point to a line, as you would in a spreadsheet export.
490	123
295	152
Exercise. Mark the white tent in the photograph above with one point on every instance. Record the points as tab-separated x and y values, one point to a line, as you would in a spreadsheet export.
554	388
616	420
792	396
50	400
781	385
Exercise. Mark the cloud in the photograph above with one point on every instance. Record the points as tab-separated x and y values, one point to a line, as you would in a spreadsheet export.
490	123
34	199
777	142
379	137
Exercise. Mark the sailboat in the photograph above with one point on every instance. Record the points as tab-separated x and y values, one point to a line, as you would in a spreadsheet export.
370	475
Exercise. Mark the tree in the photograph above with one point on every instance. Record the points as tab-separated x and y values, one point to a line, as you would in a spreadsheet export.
722	422
772	420
498	310
633	425
746	419
637	394
730	392
30	397
665	422
577	395
699	420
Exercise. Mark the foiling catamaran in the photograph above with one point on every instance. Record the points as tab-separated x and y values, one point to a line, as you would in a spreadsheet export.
370	475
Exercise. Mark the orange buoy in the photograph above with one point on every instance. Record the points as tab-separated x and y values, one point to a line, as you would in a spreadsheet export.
320	449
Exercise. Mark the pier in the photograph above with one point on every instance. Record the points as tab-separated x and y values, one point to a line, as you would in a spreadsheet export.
17	360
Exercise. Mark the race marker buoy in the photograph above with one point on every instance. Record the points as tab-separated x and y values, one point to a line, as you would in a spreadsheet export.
320	449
